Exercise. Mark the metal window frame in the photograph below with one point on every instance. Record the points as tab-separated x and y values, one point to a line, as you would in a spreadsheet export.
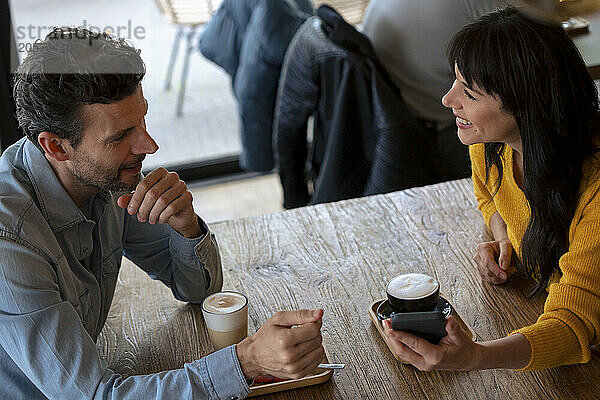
222	168
217	168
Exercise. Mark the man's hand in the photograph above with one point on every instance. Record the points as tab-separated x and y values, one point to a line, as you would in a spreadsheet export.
286	346
493	261
161	197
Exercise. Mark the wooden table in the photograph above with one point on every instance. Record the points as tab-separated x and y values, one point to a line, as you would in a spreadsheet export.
589	45
338	257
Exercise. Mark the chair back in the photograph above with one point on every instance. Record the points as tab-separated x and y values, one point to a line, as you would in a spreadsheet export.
351	10
188	12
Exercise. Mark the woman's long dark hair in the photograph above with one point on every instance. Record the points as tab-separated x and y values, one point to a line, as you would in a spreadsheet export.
542	81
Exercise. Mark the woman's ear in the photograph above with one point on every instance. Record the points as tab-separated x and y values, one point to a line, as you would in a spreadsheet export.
53	145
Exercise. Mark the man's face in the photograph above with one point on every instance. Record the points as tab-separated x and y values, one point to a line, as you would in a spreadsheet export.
113	145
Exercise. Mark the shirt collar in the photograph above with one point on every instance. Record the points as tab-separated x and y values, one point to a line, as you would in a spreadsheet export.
58	207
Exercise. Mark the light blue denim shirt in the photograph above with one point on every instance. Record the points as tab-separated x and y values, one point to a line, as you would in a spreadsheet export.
58	270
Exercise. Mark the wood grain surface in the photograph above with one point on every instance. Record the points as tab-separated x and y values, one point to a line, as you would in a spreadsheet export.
338	257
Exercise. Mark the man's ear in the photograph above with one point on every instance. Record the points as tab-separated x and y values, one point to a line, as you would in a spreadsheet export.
53	145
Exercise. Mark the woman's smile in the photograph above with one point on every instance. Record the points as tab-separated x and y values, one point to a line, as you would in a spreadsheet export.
463	123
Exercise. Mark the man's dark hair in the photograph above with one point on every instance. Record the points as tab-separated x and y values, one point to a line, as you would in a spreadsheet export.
72	67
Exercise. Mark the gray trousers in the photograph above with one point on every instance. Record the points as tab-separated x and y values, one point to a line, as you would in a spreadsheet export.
449	158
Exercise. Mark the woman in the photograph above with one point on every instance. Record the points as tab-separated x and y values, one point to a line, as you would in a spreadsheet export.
526	106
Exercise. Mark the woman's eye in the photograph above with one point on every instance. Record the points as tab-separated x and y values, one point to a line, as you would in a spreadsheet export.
468	94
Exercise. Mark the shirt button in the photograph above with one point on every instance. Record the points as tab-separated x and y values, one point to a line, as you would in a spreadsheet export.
233	398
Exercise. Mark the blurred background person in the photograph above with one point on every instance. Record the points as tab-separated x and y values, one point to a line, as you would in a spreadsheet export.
410	39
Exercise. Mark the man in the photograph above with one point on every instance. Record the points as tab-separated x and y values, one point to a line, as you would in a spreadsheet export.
72	202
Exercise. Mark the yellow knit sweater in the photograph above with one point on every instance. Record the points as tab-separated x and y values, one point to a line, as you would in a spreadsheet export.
570	322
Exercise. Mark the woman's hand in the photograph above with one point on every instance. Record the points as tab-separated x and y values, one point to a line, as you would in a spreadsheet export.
455	351
493	261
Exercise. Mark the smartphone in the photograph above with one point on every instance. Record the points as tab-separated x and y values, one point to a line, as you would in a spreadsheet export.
430	325
575	26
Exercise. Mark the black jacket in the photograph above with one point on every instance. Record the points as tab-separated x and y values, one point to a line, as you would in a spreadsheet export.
365	140
248	38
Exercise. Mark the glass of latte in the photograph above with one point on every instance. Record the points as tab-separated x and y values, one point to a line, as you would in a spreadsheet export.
413	292
226	317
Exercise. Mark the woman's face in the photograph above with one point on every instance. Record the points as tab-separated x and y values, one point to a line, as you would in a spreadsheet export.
479	116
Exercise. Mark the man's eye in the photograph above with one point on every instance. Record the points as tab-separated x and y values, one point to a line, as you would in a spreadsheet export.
468	94
122	137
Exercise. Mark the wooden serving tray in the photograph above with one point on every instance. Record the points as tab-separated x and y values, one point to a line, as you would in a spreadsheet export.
377	323
319	375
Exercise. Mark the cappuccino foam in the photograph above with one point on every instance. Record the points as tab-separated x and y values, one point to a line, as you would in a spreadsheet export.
224	303
412	286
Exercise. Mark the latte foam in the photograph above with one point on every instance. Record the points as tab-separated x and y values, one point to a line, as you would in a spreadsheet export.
412	286
224	303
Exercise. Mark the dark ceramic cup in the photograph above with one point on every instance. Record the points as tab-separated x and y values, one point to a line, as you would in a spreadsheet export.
413	292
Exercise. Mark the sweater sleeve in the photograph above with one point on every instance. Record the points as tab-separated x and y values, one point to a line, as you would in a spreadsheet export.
485	202
571	319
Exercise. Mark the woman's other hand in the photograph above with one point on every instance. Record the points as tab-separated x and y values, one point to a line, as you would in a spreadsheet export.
493	260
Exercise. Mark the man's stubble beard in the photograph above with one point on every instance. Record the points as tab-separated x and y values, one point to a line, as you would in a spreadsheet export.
87	172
